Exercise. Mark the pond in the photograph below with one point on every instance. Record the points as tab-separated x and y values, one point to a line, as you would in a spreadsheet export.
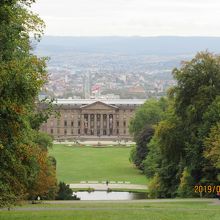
104	195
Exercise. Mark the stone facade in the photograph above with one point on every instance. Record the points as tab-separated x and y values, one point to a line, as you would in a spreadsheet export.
89	119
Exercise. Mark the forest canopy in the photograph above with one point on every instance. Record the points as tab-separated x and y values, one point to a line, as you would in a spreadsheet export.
183	151
25	168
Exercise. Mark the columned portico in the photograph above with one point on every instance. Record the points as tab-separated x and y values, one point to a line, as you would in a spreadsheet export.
91	119
89	128
114	125
101	125
98	119
95	124
107	124
82	125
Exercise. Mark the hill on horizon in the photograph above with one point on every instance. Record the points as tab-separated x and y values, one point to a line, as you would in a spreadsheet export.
129	45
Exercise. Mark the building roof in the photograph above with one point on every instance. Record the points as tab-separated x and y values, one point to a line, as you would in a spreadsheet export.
106	101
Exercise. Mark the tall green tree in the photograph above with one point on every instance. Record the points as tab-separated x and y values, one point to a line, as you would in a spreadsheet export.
22	75
164	161
212	146
196	101
141	126
197	88
184	150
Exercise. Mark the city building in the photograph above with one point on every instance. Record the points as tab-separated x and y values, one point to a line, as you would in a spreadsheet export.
91	118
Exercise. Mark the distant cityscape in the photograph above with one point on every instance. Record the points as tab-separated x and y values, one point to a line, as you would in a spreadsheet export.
113	68
110	76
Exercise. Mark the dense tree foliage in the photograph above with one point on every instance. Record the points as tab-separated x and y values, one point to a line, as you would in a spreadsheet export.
65	192
212	147
24	164
141	126
184	150
139	152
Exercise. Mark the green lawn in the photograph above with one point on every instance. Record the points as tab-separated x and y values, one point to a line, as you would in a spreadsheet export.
145	210
75	164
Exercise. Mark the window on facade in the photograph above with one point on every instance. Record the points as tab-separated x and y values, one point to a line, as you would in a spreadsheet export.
111	131
117	131
86	131
65	131
124	123
98	132
79	123
72	123
98	117
104	132
65	123
58	122
110	121
51	131
86	123
117	123
105	124
72	131
92	132
78	131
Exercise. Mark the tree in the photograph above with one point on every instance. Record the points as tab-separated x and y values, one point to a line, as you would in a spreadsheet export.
141	126
149	113
140	151
22	76
153	159
184	150
197	89
43	140
212	146
166	153
65	193
186	186
45	184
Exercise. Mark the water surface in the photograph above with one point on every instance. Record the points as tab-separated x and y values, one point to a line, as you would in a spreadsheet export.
103	195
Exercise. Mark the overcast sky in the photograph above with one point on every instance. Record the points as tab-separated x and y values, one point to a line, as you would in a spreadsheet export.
130	17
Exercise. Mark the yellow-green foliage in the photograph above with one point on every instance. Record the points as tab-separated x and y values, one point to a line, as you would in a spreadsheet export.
212	146
22	75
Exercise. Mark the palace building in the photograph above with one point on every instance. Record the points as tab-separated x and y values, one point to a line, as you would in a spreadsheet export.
91	118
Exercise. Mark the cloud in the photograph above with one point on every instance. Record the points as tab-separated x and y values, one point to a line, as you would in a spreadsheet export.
130	17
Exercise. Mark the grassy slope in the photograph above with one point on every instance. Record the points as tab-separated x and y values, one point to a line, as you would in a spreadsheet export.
75	164
117	211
